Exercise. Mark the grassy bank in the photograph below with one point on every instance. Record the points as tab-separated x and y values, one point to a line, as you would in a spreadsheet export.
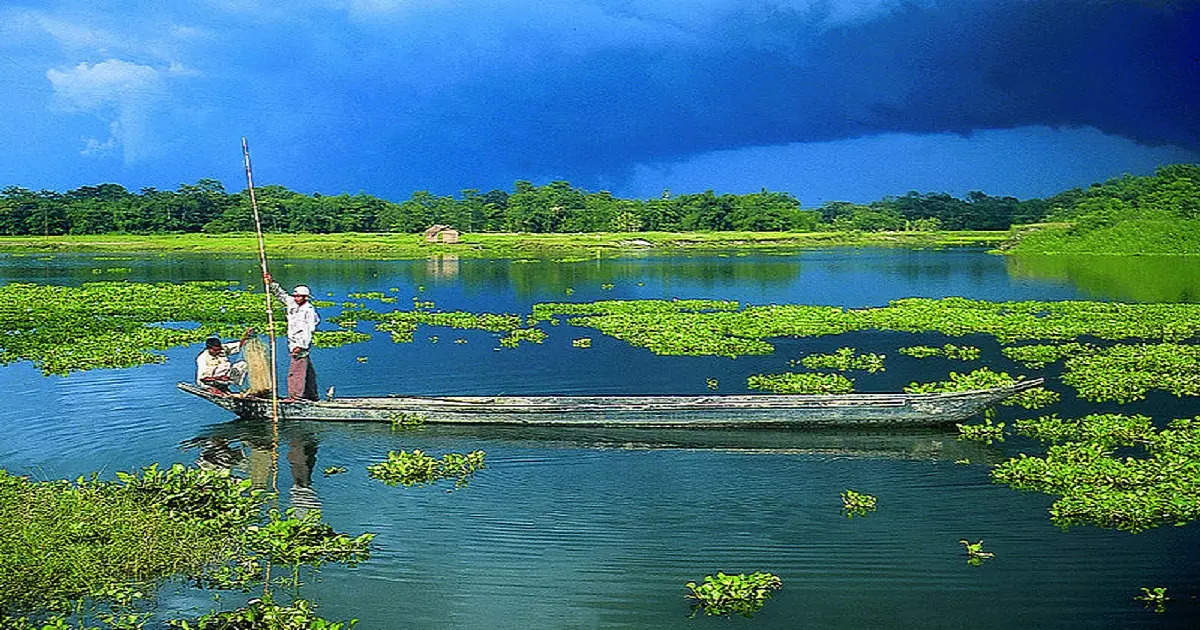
494	245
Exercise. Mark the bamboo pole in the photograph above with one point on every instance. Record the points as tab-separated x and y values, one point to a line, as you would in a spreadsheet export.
262	259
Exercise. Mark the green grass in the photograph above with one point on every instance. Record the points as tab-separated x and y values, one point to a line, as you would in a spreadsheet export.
567	247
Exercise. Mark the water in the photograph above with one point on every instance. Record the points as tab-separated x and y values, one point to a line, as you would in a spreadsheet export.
593	528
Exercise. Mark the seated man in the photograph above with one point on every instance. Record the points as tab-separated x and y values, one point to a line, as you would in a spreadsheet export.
213	369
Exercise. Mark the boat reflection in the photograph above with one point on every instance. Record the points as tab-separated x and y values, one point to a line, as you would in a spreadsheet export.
253	438
244	448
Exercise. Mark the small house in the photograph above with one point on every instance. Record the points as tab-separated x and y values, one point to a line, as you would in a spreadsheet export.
443	233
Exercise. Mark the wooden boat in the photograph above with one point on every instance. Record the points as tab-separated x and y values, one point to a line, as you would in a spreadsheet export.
751	410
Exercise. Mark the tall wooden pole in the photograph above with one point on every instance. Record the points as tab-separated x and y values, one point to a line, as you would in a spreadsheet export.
262	260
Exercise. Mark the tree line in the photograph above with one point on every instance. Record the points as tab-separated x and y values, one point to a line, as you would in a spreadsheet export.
206	206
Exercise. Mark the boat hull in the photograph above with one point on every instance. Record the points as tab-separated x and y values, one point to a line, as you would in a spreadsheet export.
763	411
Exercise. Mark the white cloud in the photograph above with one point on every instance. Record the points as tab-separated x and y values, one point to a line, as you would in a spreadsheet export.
123	93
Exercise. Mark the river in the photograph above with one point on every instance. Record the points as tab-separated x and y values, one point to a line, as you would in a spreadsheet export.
587	528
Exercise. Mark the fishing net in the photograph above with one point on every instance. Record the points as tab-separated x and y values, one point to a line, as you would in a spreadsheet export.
258	364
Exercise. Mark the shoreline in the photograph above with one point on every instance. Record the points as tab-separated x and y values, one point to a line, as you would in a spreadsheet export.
552	246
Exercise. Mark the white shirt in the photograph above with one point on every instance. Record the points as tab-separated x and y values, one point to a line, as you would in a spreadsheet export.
301	320
208	366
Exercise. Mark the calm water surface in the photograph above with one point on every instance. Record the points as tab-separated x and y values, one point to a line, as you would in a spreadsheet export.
590	528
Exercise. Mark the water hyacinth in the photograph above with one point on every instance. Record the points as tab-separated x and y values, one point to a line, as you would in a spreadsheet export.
801	383
1097	488
844	359
740	594
1126	372
857	503
417	468
949	351
986	432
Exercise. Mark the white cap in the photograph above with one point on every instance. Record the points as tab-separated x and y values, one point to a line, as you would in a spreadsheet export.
302	289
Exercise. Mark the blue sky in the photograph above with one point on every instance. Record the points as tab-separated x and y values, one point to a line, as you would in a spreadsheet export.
826	99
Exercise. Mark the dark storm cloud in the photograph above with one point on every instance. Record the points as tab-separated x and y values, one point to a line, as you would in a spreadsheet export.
583	89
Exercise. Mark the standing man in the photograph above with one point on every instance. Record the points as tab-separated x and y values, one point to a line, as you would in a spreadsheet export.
302	320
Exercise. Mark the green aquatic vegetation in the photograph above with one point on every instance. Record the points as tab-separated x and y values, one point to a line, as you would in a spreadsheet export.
949	351
334	338
406	420
857	503
681	328
1126	372
368	295
975	553
607	286
264	614
740	594
361	359
920	352
582	342
801	383
330	471
712	383
433	339
118	324
963	462
1154	597
569	291
1036	356
986	432
983	378
1109	430
95	549
460	340
403	324
419	304
1097	488
417	468
843	359
515	337
1033	398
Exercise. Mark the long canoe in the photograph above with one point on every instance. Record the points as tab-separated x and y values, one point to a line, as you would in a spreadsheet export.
752	410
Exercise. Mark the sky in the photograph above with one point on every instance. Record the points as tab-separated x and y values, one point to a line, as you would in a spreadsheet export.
825	99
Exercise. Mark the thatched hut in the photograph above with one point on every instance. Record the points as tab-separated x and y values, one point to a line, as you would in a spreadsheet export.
443	233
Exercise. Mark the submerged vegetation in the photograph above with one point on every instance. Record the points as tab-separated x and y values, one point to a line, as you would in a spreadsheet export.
740	594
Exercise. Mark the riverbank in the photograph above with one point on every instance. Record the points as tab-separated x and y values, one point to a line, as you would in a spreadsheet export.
393	246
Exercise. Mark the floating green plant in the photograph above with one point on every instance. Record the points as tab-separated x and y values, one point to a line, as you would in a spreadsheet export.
333	470
857	503
334	338
516	336
712	383
843	359
607	286
986	432
1097	488
400	420
975	553
1126	372
740	594
985	378
417	468
1154	597
801	383
949	351
1036	356
361	359
460	340
582	342
962	462
118	324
